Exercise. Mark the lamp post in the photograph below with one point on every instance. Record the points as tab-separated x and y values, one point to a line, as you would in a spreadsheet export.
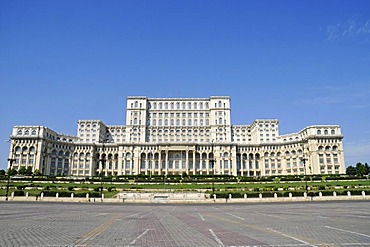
212	160
101	177
304	167
7	185
304	159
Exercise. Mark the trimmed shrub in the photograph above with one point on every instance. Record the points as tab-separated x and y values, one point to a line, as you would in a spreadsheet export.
19	193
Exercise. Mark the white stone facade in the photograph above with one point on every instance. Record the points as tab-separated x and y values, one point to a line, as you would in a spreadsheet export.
176	136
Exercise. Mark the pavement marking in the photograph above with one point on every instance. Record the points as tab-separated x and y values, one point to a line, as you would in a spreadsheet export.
271	215
215	237
356	244
262	229
236	216
142	234
357	233
173	209
163	217
297	239
96	231
201	217
359	216
216	208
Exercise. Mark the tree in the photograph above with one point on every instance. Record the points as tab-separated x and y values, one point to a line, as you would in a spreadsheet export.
351	171
37	172
22	171
12	172
2	172
28	171
367	169
360	169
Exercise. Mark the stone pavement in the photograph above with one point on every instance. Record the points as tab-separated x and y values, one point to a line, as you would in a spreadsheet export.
100	224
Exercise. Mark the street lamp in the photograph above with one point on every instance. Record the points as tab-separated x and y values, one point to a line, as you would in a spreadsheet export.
7	185
164	182
304	167
101	177
304	159
212	160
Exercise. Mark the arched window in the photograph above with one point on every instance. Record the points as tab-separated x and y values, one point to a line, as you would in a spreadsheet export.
154	122
333	132
178	106
184	122
166	106
226	155
201	106
319	132
160	105
60	153
135	120
27	132
136	104
160	122
320	148
33	132
154	105
220	121
207	105
189	106
195	105
19	132
32	149
183	105
172	106
335	148
165	122
325	132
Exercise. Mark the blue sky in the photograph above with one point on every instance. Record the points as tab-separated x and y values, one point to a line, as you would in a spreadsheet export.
302	62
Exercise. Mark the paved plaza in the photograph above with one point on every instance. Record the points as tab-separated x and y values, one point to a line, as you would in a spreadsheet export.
273	224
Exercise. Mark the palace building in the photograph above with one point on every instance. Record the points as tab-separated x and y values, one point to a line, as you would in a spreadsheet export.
177	136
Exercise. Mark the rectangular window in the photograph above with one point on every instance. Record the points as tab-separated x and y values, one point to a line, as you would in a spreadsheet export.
328	159
226	164
335	158
30	161
267	163
288	164
321	158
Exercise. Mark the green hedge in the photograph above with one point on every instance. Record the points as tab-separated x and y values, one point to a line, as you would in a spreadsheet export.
48	193
286	194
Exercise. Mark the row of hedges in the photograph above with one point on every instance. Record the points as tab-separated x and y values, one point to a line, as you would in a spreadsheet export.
286	194
49	193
